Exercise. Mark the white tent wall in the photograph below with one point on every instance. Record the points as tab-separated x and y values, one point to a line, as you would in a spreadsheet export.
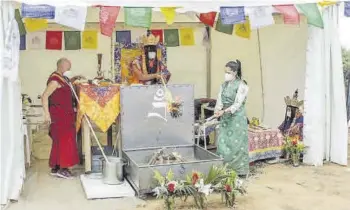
282	70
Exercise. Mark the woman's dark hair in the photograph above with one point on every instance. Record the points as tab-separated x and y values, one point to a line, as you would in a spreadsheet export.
235	66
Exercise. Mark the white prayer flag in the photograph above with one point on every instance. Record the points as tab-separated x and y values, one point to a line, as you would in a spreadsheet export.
36	40
71	16
260	16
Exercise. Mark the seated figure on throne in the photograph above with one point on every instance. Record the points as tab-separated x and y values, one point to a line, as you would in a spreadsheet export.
148	69
293	123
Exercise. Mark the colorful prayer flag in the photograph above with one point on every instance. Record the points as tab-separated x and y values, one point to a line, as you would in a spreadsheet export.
169	14
21	27
72	40
290	13
232	15
186	37
22	44
243	29
158	32
171	37
138	16
227	29
208	18
54	40
108	16
312	14
123	37
89	40
347	9
71	16
35	24
325	3
36	40
260	16
38	11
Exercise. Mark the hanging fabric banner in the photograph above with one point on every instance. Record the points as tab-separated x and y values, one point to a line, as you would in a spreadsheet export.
22	44
186	36
312	14
232	15
123	37
138	16
208	18
169	14
54	40
260	16
243	29
38	11
36	40
35	24
290	14
159	33
227	29
108	16
21	27
347	9
89	40
72	40
71	16
171	37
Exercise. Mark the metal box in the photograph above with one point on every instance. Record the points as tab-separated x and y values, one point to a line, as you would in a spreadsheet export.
146	126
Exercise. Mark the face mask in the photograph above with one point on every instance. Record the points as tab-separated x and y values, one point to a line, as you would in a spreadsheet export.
152	55
68	74
289	113
228	77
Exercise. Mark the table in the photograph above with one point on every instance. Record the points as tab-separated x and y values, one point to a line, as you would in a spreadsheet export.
264	144
101	105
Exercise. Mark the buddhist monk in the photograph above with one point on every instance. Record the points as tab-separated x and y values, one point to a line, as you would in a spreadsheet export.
57	101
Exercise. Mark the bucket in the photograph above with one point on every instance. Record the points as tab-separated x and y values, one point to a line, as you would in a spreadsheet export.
112	171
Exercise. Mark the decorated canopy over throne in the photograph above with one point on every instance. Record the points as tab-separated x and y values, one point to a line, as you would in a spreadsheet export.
126	53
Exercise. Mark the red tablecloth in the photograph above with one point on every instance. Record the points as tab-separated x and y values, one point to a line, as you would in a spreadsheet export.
264	144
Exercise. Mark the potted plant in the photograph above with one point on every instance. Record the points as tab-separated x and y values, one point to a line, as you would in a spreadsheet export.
295	148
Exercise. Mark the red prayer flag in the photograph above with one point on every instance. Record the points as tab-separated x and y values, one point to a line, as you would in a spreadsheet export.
108	16
159	33
208	18
290	13
54	40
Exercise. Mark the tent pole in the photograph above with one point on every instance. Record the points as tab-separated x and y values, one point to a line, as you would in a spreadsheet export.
208	49
261	78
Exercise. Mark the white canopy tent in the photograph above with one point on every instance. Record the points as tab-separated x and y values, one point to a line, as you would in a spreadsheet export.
325	130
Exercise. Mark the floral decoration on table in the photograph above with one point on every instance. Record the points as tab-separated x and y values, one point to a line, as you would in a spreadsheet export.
198	186
294	148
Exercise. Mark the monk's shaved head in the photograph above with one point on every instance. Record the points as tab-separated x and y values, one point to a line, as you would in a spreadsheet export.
61	61
63	64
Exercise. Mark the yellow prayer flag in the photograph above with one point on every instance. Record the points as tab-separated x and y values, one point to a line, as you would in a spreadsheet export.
89	40
326	3
169	14
186	36
35	24
243	29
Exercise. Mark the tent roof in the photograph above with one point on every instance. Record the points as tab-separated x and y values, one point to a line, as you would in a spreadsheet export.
189	4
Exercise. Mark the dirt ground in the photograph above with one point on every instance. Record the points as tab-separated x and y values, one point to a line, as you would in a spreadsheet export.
273	187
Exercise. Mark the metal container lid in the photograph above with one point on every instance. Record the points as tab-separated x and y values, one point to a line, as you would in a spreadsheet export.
145	121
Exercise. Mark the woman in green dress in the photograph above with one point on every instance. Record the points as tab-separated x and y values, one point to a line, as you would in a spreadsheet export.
230	106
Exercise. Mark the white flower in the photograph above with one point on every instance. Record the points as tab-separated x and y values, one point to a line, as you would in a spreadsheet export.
206	189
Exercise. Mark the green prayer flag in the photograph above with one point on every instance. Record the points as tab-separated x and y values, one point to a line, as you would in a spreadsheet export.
21	27
138	16
224	28
312	14
72	40
171	37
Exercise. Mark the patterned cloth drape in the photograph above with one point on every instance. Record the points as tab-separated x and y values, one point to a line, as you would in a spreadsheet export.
100	104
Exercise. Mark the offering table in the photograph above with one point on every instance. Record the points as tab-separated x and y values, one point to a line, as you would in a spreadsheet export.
101	105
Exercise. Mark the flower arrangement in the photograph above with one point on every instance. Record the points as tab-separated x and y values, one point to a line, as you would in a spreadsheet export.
294	147
199	186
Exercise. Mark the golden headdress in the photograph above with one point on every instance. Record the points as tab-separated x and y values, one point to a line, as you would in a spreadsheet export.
150	40
294	102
